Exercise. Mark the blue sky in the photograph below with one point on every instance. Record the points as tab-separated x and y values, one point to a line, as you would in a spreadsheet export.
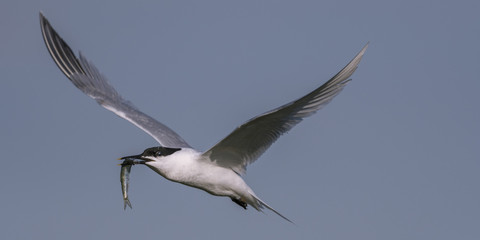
394	156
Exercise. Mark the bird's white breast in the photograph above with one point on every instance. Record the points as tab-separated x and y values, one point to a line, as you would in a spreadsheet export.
188	167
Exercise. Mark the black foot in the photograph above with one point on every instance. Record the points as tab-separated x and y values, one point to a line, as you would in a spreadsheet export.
240	202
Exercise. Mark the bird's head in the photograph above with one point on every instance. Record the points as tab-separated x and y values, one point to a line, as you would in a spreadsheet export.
153	154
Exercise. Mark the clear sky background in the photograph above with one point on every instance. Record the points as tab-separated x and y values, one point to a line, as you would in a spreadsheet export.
394	156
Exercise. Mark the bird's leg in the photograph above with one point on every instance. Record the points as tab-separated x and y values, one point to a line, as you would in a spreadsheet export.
240	202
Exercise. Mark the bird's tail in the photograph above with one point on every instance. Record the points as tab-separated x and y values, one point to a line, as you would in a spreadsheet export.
261	204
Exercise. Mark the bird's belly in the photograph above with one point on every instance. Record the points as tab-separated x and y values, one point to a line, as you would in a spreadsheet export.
212	179
220	182
202	174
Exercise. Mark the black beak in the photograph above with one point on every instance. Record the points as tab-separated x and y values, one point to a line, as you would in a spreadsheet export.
132	160
132	157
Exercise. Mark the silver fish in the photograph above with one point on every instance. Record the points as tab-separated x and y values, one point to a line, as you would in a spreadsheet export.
124	178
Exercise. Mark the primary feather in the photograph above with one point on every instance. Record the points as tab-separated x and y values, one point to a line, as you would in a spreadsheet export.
90	81
250	140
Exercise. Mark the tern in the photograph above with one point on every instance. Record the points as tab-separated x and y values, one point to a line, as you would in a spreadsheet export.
219	169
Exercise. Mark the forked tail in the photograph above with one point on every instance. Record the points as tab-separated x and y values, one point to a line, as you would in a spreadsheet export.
261	204
126	203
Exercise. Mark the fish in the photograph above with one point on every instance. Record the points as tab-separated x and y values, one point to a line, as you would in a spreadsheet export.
124	178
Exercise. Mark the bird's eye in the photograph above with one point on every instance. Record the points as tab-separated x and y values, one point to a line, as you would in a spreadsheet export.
158	153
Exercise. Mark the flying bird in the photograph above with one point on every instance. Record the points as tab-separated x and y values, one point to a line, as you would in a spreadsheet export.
217	170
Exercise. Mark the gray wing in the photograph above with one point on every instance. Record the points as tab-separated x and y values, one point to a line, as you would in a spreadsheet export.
250	140
88	79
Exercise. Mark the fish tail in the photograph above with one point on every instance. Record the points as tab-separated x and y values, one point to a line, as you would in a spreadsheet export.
125	203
